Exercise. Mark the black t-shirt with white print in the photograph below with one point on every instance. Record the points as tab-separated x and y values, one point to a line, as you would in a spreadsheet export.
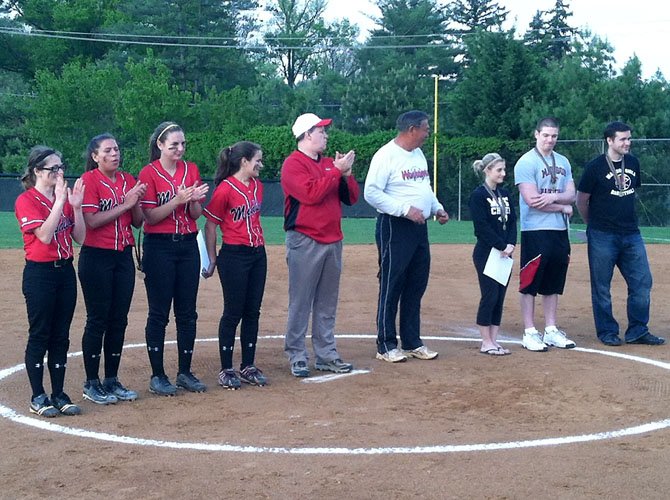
611	209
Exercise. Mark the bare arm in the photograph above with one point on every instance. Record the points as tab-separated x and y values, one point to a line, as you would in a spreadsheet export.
583	205
184	195
131	202
45	232
547	202
76	198
210	244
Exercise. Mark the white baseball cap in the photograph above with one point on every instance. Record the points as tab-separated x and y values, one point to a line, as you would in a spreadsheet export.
307	121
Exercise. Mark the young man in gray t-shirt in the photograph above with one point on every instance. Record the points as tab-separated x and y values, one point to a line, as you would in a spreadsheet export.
547	191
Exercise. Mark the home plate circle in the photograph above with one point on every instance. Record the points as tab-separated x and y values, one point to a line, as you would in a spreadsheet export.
18	418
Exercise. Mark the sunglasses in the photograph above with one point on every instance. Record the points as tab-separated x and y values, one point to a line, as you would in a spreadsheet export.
55	168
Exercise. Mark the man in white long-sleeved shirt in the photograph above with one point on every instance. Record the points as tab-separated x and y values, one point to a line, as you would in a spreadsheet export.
398	186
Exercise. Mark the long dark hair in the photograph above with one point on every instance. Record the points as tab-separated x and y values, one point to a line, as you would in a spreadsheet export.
230	159
93	147
36	159
160	133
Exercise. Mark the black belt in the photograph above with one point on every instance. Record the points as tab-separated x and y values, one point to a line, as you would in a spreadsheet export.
51	263
242	248
170	236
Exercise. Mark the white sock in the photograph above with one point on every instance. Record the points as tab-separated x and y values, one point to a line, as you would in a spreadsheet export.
530	330
550	328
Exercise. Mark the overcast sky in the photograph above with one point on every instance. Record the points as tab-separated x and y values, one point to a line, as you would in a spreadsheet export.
640	27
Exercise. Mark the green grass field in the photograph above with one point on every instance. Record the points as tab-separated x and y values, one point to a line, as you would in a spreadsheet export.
356	232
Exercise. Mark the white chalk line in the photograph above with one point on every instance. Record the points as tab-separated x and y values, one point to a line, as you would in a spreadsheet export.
328	378
13	416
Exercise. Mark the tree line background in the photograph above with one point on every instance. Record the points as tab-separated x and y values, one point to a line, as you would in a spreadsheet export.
232	70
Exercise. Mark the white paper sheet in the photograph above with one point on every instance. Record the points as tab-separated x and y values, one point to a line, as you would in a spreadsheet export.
497	267
204	256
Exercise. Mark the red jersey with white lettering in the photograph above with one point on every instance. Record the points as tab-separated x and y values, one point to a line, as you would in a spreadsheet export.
32	209
161	188
101	195
236	209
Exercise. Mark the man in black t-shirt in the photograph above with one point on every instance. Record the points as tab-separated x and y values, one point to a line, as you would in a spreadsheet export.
606	201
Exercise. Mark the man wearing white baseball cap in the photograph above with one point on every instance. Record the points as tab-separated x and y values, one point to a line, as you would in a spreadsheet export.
314	188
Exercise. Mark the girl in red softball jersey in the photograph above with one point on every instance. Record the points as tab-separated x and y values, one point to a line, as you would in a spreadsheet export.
235	207
171	260
50	216
106	269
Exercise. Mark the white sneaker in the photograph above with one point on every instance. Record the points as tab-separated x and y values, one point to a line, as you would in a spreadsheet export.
533	342
392	356
421	353
557	338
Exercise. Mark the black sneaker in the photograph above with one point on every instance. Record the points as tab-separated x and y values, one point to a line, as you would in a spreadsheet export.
94	392
190	382
162	386
299	369
648	339
116	388
64	404
41	405
228	379
252	375
336	366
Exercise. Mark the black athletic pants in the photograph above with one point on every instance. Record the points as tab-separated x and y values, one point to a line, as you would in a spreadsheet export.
107	280
404	265
171	265
492	293
242	271
50	290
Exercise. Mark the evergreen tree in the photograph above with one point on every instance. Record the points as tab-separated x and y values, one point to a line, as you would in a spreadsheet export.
473	15
175	31
501	77
30	49
549	34
409	32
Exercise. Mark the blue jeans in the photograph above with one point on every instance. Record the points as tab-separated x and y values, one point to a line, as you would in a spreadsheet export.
627	252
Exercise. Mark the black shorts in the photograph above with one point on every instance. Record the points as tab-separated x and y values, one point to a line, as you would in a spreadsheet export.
545	256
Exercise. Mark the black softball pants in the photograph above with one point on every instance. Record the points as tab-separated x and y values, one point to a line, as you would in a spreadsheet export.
242	271
171	265
107	280
50	290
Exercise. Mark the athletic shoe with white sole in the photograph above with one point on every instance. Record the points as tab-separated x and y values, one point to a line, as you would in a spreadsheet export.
335	366
228	379
421	353
300	369
64	404
392	356
41	405
113	386
94	392
557	338
533	342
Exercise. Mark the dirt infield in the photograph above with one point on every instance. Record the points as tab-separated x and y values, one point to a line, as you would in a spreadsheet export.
460	399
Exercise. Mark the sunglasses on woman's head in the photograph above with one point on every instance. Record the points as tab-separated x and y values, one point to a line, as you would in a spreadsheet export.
55	168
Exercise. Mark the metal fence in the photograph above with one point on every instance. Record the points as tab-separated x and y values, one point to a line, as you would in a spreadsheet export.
456	180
